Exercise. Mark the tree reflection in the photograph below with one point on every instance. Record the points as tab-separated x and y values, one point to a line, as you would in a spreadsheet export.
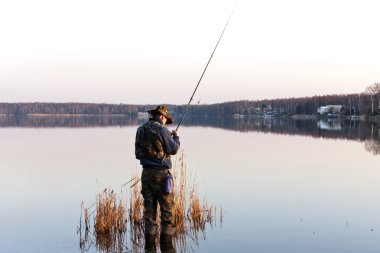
357	130
372	146
52	121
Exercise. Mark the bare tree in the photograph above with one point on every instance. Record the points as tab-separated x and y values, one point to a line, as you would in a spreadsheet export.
373	90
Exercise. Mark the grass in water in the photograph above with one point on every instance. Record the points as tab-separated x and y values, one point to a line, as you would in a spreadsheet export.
118	228
110	219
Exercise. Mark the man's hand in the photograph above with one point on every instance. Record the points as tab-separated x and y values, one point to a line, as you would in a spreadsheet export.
174	133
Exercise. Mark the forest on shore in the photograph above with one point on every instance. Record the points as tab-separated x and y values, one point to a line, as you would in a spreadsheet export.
366	103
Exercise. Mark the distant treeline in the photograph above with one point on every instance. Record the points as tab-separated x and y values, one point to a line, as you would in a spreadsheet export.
304	105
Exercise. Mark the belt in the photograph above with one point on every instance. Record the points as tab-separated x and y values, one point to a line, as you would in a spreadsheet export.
155	168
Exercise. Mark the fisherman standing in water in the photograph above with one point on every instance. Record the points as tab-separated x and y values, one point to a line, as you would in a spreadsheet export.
153	146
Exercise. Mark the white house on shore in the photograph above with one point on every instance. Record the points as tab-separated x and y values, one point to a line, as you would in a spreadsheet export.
329	109
143	115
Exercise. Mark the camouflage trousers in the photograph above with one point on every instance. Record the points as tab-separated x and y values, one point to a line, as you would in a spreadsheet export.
153	191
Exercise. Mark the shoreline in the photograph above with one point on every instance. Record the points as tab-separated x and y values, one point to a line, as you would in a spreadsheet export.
304	116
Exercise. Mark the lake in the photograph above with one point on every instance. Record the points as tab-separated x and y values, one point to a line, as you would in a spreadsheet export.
284	185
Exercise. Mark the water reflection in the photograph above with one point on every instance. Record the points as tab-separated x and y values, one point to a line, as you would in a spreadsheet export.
357	130
330	124
36	121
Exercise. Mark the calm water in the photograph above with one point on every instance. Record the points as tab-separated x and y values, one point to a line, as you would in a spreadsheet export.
285	186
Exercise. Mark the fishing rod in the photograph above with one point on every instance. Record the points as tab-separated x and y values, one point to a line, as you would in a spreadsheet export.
204	71
200	79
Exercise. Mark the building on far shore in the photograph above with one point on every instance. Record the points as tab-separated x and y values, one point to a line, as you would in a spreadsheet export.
143	115
330	109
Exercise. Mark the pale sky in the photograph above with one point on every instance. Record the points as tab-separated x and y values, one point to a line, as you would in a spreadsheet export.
150	51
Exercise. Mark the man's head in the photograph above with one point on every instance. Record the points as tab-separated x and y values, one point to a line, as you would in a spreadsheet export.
162	110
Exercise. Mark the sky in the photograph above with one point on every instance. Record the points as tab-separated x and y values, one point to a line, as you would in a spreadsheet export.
152	52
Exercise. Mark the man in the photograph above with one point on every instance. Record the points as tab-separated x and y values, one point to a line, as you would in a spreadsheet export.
153	147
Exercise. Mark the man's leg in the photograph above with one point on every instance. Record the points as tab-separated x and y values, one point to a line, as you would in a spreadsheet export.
150	211
166	201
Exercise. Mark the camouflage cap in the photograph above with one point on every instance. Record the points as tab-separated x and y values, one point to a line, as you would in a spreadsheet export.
163	110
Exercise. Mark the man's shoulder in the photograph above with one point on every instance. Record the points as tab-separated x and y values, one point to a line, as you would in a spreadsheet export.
151	126
165	130
150	123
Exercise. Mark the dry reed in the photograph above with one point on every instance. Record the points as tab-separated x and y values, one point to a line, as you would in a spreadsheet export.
136	212
190	215
110	222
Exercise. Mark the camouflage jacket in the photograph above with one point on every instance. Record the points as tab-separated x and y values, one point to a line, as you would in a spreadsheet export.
154	144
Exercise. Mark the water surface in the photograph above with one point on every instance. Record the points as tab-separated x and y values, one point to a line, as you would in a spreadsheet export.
282	190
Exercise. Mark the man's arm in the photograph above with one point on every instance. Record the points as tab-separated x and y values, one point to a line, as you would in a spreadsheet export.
171	143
